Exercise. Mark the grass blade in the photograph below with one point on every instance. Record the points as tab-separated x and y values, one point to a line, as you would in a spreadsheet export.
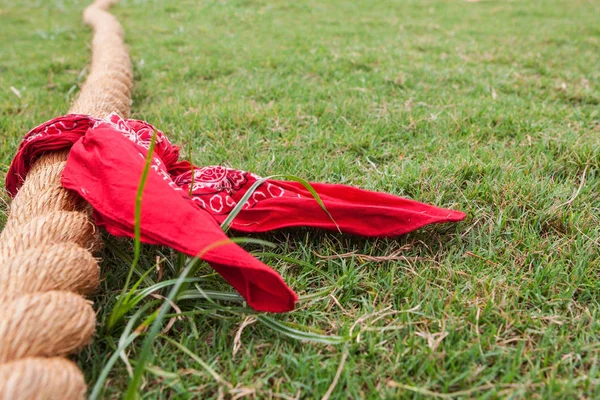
115	314
200	361
298	334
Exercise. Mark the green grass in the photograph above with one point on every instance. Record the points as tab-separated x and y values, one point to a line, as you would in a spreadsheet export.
489	107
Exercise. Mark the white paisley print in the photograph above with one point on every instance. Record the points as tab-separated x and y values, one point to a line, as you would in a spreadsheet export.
216	189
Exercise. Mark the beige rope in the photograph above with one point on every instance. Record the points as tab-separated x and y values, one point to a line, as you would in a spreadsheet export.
46	261
108	87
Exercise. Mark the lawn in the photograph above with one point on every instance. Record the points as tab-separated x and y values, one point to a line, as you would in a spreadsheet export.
488	107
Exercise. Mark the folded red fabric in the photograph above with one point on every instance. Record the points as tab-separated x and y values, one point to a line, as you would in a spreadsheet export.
183	205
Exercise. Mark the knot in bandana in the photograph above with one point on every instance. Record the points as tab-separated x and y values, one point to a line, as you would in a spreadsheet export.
183	205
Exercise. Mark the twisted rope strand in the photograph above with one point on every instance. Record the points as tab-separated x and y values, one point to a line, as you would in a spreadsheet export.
46	261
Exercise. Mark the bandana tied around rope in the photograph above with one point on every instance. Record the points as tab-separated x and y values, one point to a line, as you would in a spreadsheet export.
183	205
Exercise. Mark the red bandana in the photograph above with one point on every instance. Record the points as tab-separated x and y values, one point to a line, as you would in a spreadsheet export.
183	205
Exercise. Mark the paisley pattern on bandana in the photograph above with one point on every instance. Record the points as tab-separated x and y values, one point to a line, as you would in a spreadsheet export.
56	127
218	189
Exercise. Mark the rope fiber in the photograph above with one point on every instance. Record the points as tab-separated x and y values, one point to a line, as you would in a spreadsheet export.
46	262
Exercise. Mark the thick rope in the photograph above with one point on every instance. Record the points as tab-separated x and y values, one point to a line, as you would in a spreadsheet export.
46	261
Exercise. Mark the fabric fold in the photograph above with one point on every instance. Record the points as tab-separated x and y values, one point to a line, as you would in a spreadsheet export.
352	210
57	134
